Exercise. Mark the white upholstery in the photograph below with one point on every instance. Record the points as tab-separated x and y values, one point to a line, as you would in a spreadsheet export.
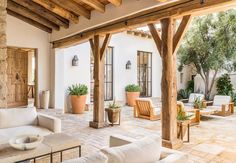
221	100
98	157
24	121
193	96
128	153
157	111
17	117
167	155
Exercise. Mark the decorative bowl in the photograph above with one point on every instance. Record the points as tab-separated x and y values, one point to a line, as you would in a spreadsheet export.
26	142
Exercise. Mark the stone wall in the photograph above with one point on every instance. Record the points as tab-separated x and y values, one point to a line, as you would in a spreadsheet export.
3	54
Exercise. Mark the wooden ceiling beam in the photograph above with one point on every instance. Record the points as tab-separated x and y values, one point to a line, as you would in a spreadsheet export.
97	5
31	15
29	21
58	10
73	7
115	2
174	10
36	8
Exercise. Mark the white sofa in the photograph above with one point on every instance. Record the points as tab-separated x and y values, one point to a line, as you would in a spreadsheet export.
24	121
128	150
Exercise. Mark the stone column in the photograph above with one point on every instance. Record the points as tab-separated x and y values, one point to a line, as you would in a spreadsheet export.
3	54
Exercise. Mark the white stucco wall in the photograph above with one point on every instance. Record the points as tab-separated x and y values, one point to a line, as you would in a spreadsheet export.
21	34
125	48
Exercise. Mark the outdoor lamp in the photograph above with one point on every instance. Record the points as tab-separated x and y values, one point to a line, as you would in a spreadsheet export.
128	65
75	61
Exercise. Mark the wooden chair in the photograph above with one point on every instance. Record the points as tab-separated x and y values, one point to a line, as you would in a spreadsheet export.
195	116
144	109
222	105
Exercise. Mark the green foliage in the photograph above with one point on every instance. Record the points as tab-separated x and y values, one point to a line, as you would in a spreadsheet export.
133	88
224	85
210	45
197	103
114	105
190	86
233	95
78	90
183	94
181	117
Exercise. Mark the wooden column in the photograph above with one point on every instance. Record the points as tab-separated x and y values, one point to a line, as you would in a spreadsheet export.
167	45
98	46
3	55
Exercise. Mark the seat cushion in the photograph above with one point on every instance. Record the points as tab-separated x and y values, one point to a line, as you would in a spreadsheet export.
8	133
157	111
17	117
146	150
98	157
193	96
221	100
215	108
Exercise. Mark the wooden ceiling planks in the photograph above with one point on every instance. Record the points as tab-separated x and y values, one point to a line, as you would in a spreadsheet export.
50	15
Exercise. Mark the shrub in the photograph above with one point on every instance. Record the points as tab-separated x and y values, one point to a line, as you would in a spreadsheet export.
190	86
224	85
181	116
133	88
183	94
78	90
233	95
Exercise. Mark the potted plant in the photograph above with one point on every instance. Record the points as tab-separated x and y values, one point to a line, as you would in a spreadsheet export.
132	93
184	120
197	103
78	95
113	111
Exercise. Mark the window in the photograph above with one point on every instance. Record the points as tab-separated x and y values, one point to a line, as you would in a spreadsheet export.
144	68
108	75
181	77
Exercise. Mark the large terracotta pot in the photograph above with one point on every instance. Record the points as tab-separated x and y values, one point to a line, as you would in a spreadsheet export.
78	104
131	97
113	115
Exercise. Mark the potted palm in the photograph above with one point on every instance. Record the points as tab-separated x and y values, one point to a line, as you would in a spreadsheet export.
78	95
113	112
197	103
132	93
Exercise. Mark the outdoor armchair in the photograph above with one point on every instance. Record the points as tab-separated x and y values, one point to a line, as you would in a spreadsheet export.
144	109
222	105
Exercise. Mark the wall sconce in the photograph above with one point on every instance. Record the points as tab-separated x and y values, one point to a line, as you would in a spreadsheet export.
75	61
128	65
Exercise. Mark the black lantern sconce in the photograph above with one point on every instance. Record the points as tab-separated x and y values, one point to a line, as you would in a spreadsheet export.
75	61
128	65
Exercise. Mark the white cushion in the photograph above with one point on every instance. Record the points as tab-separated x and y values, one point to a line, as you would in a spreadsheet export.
8	133
193	96
17	117
157	111
221	100
146	150
92	158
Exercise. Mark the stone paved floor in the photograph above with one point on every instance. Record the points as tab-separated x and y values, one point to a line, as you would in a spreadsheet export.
214	140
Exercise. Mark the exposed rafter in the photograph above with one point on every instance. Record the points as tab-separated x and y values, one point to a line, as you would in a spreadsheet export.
58	10
29	21
115	2
29	14
97	5
34	7
73	7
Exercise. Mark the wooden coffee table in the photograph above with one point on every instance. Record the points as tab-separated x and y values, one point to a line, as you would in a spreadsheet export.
55	143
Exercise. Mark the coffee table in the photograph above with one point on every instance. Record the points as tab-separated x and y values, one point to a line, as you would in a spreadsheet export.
55	143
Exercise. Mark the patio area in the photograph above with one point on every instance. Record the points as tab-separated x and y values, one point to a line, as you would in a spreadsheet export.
212	141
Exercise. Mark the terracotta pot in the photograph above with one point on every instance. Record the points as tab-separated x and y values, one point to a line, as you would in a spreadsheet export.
78	104
131	97
113	115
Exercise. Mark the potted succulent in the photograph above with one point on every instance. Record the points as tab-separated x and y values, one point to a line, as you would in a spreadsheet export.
184	120
113	111
78	95
132	93
197	103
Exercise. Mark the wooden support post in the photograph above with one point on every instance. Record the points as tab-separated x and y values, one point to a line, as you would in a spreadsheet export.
167	45
98	48
3	54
